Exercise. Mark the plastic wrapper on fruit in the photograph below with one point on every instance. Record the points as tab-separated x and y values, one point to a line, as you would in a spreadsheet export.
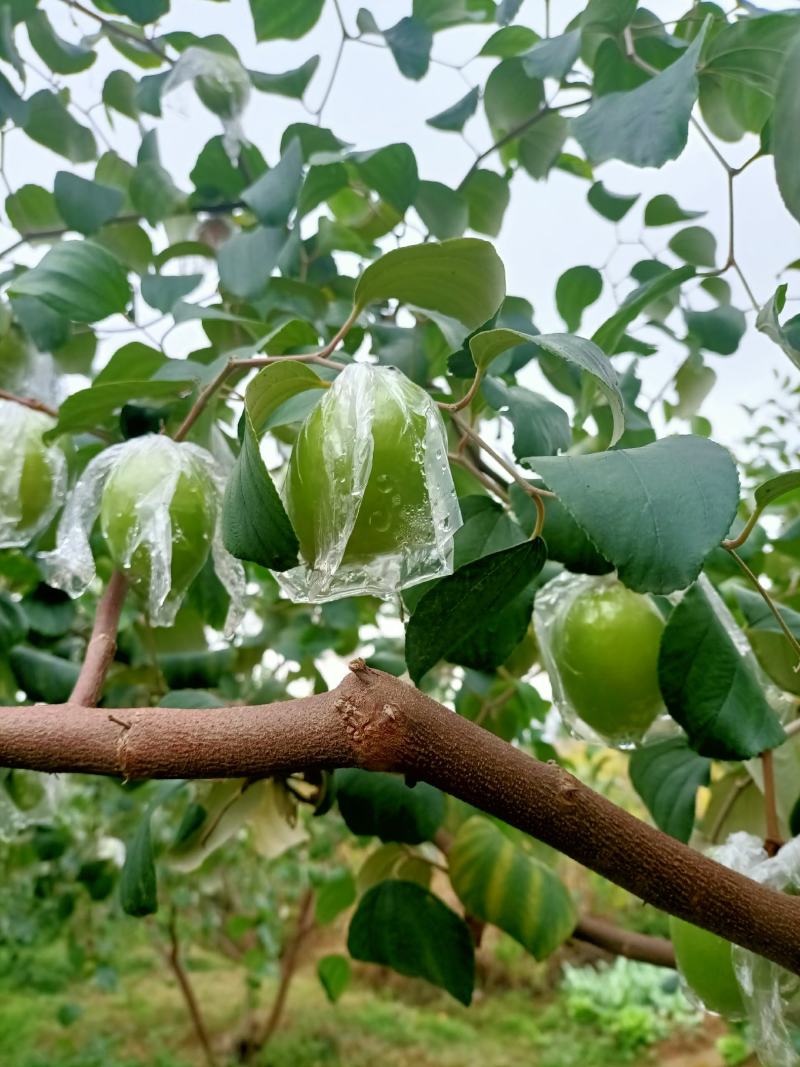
33	475
770	993
369	490
222	84
159	504
599	643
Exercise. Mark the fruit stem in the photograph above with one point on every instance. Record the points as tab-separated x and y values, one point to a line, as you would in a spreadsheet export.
467	398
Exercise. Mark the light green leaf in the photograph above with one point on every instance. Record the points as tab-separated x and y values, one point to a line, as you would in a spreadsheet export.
459	283
49	123
646	126
577	289
247	260
333	896
772	647
489	344
153	192
119	93
750	51
541	428
554	57
678	496
454	117
540	146
501	884
392	172
785	122
443	210
664	210
695	245
78	279
487	195
710	688
405	927
610	335
85	205
334	974
768	322
273	196
667	775
163	291
284	19
32	209
511	97
62	57
509	41
774	488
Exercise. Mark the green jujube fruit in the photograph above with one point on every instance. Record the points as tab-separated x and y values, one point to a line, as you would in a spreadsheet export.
395	511
705	962
192	513
605	648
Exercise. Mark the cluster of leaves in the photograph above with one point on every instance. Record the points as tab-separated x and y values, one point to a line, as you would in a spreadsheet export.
272	241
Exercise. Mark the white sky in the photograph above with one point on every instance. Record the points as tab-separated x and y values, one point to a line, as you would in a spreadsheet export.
548	227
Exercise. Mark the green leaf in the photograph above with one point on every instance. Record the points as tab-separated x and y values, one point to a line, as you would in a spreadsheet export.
443	210
646	126
284	19
405	927
410	42
750	51
566	541
153	192
577	289
247	260
392	172
13	623
163	291
693	382
509	41
709	687
611	333
612	206
664	210
383	805
607	16
334	974
89	408
718	330
119	94
138	890
32	209
459	283
333	896
768	322
50	124
458	604
540	146
487	195
42	676
273	197
541	428
62	57
772	648
454	117
141	11
695	245
667	775
85	205
78	279
291	83
501	884
255	525
575	351
511	97
678	497
553	57
774	488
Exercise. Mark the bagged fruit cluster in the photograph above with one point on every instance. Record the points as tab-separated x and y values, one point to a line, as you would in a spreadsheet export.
368	490
734	982
33	475
159	504
600	642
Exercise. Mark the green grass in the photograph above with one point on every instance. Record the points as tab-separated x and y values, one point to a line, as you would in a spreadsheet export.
143	1023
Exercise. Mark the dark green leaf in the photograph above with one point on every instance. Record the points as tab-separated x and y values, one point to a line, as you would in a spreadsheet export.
664	210
454	117
577	289
78	279
62	57
695	245
405	927
85	205
554	57
772	647
291	83
541	428
42	676
768	322
566	541
119	93
141	11
392	172
457	605
719	330
284	19
153	192
443	210
410	42
750	51
501	884
709	688
138	890
678	496
89	408
610	334
540	146
646	126
667	775
613	206
511	97
247	260
49	123
273	196
163	291
383	805
13	623
487	195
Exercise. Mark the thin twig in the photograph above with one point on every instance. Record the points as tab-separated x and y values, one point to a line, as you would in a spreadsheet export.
120	31
769	602
473	435
486	482
29	402
176	966
520	128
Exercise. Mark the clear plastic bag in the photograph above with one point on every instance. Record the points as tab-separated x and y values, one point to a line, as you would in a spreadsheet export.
604	695
369	490
33	476
159	463
222	84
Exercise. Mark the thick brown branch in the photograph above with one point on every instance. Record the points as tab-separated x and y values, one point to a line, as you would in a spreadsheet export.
619	942
375	721
102	644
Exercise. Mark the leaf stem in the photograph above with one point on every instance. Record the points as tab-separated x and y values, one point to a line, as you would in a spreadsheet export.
468	397
768	601
473	435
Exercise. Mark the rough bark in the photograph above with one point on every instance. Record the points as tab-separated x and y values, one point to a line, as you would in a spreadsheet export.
375	721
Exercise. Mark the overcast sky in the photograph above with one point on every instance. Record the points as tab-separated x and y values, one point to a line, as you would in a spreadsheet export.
549	225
